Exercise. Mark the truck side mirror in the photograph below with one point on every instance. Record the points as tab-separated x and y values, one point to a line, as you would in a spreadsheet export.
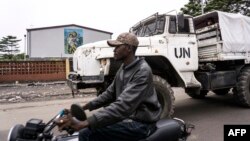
180	21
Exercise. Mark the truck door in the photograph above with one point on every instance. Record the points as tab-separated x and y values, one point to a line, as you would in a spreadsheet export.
182	45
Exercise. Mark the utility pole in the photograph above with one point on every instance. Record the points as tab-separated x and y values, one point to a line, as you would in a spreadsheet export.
202	6
25	53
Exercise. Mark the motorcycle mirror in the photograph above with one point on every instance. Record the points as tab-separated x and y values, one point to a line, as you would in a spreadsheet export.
78	112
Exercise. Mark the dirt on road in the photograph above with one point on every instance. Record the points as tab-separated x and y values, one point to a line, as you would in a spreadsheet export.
18	93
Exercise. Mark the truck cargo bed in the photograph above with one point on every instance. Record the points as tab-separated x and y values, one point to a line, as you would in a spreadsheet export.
225	38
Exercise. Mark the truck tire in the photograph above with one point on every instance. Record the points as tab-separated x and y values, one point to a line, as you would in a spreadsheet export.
15	132
165	96
196	93
242	90
221	91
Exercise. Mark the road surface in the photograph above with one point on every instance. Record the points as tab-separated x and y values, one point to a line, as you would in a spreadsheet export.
208	115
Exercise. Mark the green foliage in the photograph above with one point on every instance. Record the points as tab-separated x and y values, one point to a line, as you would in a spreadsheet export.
233	6
9	45
11	57
192	8
20	56
7	57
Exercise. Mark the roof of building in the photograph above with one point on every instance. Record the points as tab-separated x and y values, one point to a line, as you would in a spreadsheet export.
59	26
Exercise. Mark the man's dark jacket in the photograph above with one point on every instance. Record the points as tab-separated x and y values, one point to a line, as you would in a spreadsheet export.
130	96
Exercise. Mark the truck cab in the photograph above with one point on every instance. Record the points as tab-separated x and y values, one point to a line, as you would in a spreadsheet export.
174	47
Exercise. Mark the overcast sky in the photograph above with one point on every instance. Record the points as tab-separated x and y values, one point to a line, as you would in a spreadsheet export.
114	16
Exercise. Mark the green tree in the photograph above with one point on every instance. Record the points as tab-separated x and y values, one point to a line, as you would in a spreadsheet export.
3	45
193	8
233	6
9	45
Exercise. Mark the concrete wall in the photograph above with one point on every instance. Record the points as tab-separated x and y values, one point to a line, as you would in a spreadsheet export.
49	42
32	71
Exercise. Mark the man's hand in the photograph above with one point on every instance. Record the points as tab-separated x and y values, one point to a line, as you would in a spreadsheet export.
85	107
67	121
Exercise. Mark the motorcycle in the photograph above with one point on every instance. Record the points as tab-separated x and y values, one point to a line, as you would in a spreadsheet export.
36	130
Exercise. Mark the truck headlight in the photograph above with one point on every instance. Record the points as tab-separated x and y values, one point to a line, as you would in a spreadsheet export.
101	70
103	62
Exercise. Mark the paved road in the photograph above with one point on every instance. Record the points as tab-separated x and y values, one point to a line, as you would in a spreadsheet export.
12	114
208	115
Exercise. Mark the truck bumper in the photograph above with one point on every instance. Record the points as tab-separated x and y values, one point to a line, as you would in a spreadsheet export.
75	84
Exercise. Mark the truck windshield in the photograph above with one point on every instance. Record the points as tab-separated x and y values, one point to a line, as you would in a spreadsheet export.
152	27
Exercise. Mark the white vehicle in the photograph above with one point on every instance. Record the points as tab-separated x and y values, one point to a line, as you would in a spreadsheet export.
183	52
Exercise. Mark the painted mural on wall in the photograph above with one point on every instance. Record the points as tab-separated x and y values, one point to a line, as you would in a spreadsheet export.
73	38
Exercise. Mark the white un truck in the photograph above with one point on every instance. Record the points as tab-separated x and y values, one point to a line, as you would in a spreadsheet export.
206	53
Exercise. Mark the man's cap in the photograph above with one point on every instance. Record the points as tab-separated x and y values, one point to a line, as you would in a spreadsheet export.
124	38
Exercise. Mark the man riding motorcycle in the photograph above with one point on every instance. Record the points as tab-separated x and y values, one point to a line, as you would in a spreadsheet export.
133	107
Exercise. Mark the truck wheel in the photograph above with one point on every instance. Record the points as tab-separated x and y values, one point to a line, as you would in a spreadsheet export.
221	91
15	132
165	96
196	93
242	90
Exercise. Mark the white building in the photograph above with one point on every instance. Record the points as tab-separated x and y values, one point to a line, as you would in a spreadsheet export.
61	41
